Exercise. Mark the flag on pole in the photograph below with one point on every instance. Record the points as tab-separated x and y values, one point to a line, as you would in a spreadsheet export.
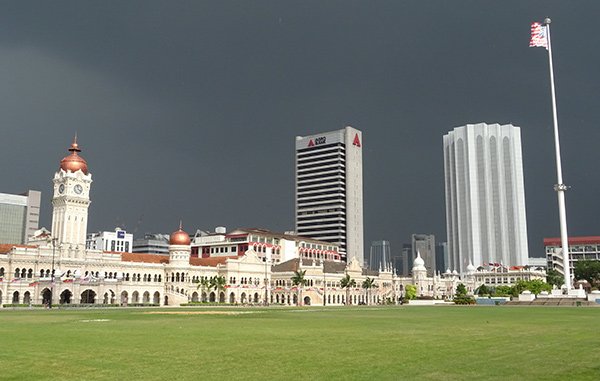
538	36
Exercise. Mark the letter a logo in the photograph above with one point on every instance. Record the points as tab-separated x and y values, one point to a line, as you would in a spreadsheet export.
356	141
311	143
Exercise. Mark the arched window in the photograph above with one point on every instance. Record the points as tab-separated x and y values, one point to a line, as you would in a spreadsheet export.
1	271
159	278
17	272
30	273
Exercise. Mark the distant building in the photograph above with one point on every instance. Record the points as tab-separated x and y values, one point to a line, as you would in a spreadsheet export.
425	245
536	262
329	190
580	248
441	255
485	196
19	216
406	261
152	243
118	240
379	255
275	247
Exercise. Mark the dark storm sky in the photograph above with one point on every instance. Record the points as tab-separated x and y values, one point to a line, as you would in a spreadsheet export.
189	109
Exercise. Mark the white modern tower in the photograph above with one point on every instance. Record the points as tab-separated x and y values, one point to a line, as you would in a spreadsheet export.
485	197
71	200
329	189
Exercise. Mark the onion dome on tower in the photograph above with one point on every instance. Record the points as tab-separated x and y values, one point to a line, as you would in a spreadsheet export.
419	263
179	237
74	162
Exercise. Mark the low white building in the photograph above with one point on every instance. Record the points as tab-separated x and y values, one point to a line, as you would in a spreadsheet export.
118	240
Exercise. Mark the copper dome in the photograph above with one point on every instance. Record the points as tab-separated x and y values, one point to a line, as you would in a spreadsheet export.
74	162
179	237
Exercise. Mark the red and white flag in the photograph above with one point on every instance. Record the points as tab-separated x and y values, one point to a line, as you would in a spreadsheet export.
538	36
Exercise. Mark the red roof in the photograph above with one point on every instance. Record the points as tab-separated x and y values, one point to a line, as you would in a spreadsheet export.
211	261
145	258
5	248
585	240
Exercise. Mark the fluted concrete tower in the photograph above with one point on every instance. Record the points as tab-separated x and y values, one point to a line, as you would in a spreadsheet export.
485	196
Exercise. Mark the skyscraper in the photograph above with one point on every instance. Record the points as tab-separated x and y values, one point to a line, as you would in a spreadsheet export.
329	191
485	197
19	216
379	255
425	244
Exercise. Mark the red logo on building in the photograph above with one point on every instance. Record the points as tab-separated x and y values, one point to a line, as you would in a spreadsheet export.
356	141
311	143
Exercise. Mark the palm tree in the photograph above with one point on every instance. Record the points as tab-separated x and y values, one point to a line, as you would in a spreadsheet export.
299	280
204	284
218	282
347	282
367	285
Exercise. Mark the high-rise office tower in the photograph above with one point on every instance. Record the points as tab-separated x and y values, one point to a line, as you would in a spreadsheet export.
425	244
441	254
379	255
329	191
485	197
19	216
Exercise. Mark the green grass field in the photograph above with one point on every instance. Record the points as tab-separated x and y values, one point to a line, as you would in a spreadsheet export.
377	343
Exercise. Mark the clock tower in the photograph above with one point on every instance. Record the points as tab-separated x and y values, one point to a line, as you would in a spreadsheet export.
71	200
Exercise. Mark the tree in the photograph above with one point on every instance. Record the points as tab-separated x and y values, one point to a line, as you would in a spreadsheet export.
203	285
504	291
461	296
299	281
588	270
554	278
483	290
368	284
410	292
347	282
218	283
535	286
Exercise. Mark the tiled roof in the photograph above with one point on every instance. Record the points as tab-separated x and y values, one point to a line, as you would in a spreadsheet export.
369	272
5	248
212	261
591	240
269	233
145	258
331	267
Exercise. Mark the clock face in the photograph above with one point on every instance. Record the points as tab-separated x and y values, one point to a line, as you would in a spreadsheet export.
61	188
78	189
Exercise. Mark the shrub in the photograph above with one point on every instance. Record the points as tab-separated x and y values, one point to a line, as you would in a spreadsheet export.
463	299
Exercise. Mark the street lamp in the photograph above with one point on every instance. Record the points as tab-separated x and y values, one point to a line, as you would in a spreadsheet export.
266	301
53	240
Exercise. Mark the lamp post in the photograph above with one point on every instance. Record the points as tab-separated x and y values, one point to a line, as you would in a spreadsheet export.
76	276
325	287
52	273
266	301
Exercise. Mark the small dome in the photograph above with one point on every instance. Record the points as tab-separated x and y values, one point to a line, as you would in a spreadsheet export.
74	162
448	271
454	272
470	268
179	237
419	263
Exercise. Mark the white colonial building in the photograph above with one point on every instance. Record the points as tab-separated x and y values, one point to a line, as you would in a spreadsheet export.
57	268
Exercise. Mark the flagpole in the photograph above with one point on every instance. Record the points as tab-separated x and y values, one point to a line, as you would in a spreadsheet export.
560	188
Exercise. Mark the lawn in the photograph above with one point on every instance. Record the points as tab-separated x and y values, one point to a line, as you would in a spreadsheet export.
376	343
